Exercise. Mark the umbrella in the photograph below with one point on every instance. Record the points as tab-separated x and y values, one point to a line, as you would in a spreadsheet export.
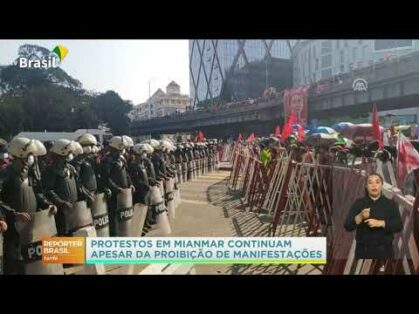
321	139
322	130
360	132
341	126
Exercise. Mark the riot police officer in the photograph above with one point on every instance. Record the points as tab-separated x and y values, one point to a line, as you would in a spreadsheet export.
86	166
60	181
91	183
116	177
141	181
21	196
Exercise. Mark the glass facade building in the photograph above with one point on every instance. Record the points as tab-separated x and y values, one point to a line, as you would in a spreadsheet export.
211	61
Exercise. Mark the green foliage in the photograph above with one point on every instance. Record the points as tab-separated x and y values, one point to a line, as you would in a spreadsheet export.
112	109
38	100
11	116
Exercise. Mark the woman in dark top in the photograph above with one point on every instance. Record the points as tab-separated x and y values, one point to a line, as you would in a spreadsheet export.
375	218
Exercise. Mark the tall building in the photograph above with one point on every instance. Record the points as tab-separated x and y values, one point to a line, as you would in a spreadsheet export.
162	104
315	60
213	62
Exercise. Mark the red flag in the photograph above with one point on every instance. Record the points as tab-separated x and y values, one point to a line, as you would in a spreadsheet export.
200	137
251	137
287	130
277	131
240	137
375	131
407	158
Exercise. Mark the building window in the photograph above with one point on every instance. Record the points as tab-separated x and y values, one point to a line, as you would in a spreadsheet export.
381	44
326	46
364	51
354	53
326	61
342	57
326	73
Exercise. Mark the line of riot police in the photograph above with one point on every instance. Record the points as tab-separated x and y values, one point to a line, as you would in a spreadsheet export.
74	188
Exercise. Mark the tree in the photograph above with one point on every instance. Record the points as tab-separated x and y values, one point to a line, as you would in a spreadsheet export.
112	109
11	116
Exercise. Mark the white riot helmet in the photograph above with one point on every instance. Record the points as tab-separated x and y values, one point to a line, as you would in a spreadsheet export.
129	142
95	149
64	147
87	139
165	146
153	143
143	149
21	147
119	143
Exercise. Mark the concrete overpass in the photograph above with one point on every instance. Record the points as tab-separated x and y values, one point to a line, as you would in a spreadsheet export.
392	85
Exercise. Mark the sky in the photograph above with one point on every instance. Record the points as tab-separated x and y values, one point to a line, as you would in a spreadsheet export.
124	66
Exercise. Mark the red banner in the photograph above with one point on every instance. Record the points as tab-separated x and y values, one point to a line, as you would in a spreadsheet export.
295	101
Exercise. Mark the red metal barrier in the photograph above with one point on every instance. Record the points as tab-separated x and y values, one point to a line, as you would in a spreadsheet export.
309	199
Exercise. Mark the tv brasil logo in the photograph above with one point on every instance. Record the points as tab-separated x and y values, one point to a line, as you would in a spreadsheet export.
59	52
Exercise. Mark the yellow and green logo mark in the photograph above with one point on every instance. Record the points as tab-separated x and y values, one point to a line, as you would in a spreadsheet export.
60	51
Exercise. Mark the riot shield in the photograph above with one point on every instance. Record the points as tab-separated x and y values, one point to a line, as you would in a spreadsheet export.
123	213
140	214
170	198
204	166
41	225
179	173
100	215
193	165
129	219
176	190
77	217
189	169
184	171
198	167
159	210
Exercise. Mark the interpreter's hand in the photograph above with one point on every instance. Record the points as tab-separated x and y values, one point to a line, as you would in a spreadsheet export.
25	217
3	226
375	223
365	213
52	210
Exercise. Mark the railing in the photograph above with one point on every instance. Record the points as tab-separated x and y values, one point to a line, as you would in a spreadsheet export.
310	199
